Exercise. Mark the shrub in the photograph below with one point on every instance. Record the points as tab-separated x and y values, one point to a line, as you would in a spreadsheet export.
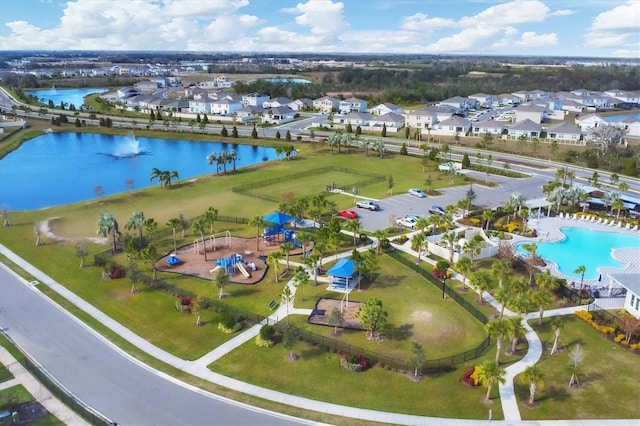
403	239
635	346
443	265
262	342
228	323
267	332
474	222
354	362
470	377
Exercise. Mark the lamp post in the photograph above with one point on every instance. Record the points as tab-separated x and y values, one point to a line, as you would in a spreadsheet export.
444	296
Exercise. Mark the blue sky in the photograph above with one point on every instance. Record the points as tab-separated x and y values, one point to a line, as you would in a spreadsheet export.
602	28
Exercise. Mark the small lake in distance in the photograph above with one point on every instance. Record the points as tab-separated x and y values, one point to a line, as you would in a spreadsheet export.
70	96
62	168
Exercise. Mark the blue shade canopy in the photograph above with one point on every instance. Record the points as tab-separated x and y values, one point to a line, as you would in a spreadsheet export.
278	218
343	268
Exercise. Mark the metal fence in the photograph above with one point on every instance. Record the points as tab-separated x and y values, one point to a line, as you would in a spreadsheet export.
57	389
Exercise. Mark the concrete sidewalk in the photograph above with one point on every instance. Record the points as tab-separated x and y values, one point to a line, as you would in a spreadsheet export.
38	391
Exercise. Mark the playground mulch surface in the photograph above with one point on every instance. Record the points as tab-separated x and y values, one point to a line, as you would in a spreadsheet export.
193	263
322	312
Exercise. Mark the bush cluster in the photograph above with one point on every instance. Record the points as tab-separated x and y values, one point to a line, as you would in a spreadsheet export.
470	377
587	317
228	324
354	362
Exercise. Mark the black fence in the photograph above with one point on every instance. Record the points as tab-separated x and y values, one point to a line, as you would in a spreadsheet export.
57	389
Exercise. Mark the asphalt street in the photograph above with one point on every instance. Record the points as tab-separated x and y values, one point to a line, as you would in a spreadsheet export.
104	378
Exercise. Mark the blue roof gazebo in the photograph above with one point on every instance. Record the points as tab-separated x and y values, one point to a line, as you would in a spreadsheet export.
341	279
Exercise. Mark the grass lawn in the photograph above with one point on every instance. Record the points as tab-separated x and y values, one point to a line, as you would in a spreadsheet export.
5	374
609	377
317	375
19	395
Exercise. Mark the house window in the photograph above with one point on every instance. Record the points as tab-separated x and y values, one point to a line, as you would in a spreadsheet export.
637	303
633	299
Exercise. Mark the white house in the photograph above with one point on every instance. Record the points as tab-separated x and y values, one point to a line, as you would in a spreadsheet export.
391	120
255	99
352	105
572	106
632	127
530	112
426	118
483	99
301	104
279	115
526	128
386	108
492	127
276	102
452	126
565	133
226	106
247	113
326	104
354	118
147	86
631	283
587	122
507	99
201	106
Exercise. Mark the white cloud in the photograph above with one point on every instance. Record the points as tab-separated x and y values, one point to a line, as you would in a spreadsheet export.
468	40
324	17
421	22
615	28
531	39
512	13
561	12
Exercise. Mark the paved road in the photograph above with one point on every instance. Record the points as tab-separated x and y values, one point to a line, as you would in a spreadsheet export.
103	377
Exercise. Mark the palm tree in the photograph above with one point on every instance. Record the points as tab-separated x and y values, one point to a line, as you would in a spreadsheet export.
508	208
618	205
156	174
503	294
354	226
173	174
490	374
556	325
107	225
487	215
472	247
200	227
311	261
137	222
300	278
515	330
417	243
422	223
450	239
533	376
580	270
501	269
258	223
380	235
464	266
222	280
273	259
517	200
210	217
498	329
213	158
232	157
174	223
286	248
481	280
540	298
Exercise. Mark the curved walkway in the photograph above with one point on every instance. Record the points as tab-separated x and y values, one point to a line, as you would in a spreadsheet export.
199	367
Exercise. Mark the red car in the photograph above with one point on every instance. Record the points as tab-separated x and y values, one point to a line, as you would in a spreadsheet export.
348	214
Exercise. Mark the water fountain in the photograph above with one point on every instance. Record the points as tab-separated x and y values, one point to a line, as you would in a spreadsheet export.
130	148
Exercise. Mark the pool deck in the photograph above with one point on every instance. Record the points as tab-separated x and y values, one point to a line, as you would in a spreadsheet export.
548	229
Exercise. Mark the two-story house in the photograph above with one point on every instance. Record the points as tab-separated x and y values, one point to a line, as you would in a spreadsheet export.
386	108
352	105
326	104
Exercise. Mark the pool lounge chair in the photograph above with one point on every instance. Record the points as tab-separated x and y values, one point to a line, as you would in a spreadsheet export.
635	228
620	224
575	216
628	226
600	220
593	219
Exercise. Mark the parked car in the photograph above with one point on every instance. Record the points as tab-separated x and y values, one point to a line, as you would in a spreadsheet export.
348	214
417	193
407	222
368	204
437	210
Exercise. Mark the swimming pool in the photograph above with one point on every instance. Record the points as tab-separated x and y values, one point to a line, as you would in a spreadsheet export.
584	247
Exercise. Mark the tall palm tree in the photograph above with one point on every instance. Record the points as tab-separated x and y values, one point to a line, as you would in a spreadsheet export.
107	225
200	227
481	280
515	330
490	374
464	266
417	243
379	235
137	222
517	200
580	270
472	247
156	174
232	157
533	376
422	223
273	260
286	248
354	226
213	158
173	174
618	205
210	217
258	223
541	298
498	329
300	279
174	223
501	269
487	216
450	239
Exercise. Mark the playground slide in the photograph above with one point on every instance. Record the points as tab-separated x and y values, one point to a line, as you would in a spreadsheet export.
297	243
243	271
215	269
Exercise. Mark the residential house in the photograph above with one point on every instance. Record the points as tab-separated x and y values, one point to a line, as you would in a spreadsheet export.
200	106
507	99
301	104
255	99
126	92
632	127
226	105
138	102
160	104
276	102
278	115
426	118
483	99
386	108
452	126
352	105
589	121
565	133
460	103
146	86
247	113
354	118
326	104
523	95
391	120
572	106
492	127
527	128
631	284
530	112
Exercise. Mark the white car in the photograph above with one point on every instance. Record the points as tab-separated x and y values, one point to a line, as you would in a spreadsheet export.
417	193
368	204
407	222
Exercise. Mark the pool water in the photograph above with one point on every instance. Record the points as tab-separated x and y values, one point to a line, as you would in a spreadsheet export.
584	247
70	96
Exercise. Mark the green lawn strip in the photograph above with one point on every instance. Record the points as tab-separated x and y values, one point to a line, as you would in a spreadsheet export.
19	395
5	374
609	377
317	375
